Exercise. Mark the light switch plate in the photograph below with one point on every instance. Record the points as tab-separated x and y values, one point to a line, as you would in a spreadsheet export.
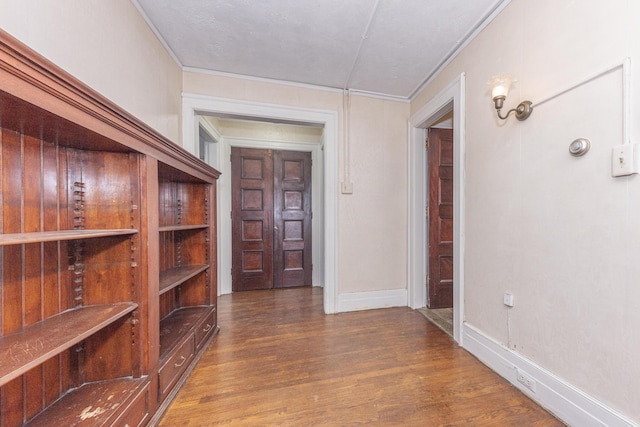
623	159
346	187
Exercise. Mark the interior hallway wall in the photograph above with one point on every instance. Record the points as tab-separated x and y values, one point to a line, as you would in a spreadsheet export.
557	232
108	46
372	221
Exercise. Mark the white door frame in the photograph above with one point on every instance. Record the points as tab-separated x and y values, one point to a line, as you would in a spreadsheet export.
450	98
193	104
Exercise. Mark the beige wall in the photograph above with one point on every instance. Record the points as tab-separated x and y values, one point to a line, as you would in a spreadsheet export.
107	45
373	220
266	131
558	232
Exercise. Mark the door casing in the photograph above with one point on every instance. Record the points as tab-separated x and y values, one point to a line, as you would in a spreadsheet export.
452	97
325	160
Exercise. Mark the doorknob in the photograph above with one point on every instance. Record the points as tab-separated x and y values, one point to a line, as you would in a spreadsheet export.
275	227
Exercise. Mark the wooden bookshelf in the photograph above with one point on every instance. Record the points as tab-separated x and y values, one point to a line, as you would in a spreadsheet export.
187	289
107	254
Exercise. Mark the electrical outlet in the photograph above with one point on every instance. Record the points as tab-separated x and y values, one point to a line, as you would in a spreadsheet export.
507	299
526	380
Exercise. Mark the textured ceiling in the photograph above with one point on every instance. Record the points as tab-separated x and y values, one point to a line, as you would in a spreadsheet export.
388	47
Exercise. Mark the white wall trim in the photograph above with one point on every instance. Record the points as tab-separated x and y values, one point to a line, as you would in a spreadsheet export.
224	194
210	129
565	401
193	104
464	42
357	301
451	97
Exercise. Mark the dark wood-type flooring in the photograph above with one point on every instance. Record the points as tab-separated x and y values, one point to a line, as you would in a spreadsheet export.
279	360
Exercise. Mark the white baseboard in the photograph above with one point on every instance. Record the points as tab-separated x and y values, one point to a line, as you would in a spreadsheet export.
369	300
568	403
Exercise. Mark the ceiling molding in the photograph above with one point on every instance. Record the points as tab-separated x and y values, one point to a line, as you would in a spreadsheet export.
383	96
157	33
468	38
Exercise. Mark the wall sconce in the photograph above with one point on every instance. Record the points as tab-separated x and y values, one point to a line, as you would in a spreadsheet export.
500	86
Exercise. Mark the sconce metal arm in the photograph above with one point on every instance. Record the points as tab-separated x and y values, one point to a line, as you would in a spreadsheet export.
523	110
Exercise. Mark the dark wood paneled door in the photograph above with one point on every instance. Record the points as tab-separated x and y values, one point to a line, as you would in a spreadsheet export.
440	164
271	217
252	218
292	219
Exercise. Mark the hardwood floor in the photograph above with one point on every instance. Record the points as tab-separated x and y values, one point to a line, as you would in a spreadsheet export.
279	360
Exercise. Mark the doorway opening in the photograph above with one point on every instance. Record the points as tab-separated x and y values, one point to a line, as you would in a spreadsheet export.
450	101
439	223
324	175
239	134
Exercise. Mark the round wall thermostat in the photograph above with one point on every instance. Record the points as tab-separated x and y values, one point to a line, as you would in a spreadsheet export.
579	147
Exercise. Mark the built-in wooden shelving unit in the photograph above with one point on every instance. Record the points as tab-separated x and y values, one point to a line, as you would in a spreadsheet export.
107	254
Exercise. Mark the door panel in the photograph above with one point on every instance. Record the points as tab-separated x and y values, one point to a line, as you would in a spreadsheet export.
252	218
271	231
440	159
292	218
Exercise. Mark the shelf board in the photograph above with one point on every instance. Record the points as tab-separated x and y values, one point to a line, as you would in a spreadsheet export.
183	227
32	345
92	404
169	279
53	236
178	324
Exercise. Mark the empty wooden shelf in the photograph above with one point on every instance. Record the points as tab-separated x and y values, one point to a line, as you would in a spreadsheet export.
115	402
34	344
52	236
176	276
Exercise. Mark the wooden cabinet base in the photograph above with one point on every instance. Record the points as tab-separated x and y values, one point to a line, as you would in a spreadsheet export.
173	391
174	365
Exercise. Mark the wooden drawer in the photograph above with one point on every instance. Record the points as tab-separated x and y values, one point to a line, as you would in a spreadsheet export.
205	328
137	413
175	365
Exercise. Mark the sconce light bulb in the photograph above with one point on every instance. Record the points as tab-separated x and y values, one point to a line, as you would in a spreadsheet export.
500	85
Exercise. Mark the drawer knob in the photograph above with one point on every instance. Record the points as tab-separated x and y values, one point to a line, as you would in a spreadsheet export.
181	362
206	328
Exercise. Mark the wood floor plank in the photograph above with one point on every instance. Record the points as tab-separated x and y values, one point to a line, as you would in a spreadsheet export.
278	360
